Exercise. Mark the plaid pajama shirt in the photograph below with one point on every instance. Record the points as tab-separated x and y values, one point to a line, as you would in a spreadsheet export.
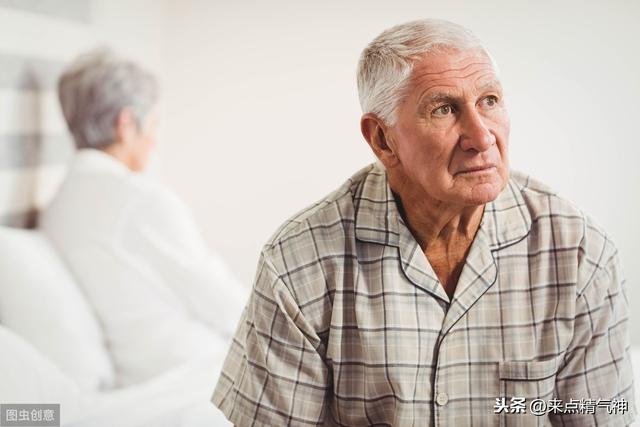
347	324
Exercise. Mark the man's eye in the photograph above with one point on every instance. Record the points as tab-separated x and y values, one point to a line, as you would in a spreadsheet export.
443	110
490	100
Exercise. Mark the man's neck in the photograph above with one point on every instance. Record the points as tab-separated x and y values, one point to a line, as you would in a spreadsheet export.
435	223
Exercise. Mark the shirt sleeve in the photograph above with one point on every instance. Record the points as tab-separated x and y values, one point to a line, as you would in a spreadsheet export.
159	231
597	364
274	373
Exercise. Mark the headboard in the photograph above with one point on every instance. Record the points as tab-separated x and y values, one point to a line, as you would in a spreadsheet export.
37	38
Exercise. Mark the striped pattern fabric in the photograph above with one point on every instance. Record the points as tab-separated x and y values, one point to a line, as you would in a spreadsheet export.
37	39
348	324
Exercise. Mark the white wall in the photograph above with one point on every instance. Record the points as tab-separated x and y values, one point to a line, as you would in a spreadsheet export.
262	114
133	28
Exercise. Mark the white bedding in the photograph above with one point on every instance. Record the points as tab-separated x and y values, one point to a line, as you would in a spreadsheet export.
179	398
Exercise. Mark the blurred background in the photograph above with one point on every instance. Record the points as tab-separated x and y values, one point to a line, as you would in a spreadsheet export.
259	109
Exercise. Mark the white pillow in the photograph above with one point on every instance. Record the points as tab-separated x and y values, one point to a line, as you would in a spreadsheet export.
40	301
28	377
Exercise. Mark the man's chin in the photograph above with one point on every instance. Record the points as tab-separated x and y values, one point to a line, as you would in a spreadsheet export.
482	193
482	187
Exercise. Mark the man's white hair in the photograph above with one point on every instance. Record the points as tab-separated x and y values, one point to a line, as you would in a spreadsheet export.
386	63
95	88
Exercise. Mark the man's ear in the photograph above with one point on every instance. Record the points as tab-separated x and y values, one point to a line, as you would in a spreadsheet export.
379	139
126	127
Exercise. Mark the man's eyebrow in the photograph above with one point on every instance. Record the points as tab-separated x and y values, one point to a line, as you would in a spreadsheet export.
441	96
444	96
438	97
491	84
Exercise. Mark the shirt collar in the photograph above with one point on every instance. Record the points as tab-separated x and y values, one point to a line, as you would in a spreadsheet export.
505	221
98	161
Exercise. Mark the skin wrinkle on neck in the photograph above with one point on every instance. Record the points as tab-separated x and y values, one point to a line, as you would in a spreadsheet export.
435	225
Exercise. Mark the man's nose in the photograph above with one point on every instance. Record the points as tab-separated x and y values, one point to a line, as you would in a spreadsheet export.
475	135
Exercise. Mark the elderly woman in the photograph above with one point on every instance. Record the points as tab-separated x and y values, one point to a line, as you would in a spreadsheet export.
161	296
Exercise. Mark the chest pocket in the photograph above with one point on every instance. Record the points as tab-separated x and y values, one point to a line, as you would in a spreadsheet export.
529	380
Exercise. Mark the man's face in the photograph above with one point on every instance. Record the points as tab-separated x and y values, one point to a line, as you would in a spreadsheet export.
452	130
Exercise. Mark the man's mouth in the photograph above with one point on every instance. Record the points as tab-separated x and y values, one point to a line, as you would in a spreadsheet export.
478	169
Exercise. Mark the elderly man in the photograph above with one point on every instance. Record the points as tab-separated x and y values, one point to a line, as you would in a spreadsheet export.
162	297
434	287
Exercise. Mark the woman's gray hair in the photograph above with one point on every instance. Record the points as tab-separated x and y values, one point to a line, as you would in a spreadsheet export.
386	63
93	91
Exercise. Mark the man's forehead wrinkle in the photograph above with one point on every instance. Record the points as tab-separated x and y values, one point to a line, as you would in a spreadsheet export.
420	78
420	71
442	81
435	84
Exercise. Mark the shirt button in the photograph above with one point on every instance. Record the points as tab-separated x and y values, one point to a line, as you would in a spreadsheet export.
442	398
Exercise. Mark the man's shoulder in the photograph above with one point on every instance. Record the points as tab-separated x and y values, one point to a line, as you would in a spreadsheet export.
545	202
318	233
333	210
565	226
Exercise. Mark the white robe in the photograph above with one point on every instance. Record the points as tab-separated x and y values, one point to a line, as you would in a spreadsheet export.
161	296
